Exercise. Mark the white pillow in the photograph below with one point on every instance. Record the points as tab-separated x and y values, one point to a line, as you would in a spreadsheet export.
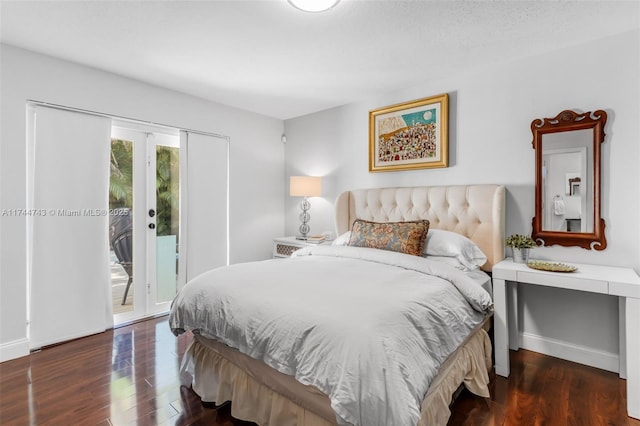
342	240
451	261
450	244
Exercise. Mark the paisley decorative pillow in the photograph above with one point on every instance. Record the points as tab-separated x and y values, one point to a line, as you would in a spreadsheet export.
403	237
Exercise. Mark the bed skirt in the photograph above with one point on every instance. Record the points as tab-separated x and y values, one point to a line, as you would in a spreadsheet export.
265	396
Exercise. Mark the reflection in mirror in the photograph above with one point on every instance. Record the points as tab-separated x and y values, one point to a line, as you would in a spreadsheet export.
564	160
568	179
573	180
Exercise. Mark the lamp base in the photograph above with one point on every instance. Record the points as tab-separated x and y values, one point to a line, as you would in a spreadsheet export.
304	228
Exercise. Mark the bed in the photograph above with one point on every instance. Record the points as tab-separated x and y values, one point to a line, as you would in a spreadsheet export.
349	334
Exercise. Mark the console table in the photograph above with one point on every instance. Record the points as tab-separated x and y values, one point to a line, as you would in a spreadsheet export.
621	282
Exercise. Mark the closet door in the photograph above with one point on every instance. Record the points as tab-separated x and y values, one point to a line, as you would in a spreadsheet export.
69	276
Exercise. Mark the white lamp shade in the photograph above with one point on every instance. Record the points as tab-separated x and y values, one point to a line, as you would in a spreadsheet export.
305	186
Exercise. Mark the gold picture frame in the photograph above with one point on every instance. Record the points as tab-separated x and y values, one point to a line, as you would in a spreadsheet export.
411	135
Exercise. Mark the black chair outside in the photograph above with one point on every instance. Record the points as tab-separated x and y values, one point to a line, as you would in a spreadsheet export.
121	239
119	222
122	247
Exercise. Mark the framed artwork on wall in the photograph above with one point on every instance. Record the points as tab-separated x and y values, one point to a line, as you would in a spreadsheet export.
411	135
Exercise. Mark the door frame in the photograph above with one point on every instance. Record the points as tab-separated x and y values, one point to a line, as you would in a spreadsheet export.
145	139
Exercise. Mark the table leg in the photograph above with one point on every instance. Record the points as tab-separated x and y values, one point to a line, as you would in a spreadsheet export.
622	335
632	313
501	327
512	312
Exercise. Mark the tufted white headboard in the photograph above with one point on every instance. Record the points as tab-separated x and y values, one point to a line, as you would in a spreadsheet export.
475	211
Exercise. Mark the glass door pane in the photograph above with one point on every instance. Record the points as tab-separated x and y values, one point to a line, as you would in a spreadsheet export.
167	189
121	225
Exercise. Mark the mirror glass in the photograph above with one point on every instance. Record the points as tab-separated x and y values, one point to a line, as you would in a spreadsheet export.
568	179
567	202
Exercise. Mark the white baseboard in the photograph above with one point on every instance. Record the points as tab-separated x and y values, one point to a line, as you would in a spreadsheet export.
13	350
570	351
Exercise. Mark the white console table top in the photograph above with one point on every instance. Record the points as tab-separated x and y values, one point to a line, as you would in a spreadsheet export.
611	280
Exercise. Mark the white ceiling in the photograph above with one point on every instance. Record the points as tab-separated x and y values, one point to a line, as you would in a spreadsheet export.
268	57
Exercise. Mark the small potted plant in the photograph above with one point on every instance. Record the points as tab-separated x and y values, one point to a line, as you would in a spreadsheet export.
520	245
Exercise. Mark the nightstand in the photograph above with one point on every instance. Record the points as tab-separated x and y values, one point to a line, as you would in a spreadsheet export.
285	246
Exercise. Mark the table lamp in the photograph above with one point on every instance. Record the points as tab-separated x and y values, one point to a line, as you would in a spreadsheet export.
305	186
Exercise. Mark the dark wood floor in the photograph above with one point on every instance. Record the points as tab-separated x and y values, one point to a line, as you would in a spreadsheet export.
129	376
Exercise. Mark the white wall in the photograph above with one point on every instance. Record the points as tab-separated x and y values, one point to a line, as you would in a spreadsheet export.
256	156
491	110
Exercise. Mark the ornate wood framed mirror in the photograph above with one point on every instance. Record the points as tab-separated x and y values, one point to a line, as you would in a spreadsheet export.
567	150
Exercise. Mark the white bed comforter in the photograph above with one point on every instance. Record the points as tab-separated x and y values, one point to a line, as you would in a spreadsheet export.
367	327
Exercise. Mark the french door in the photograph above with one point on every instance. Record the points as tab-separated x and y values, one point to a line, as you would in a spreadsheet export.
144	226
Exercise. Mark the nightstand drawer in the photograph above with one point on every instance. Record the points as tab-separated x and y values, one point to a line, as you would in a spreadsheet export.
285	246
284	249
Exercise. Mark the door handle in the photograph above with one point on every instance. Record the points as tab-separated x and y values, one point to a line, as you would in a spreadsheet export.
152	226
152	212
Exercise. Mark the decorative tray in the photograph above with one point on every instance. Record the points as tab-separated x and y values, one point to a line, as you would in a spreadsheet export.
551	266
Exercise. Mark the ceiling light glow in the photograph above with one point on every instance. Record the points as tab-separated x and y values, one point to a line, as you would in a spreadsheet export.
313	5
